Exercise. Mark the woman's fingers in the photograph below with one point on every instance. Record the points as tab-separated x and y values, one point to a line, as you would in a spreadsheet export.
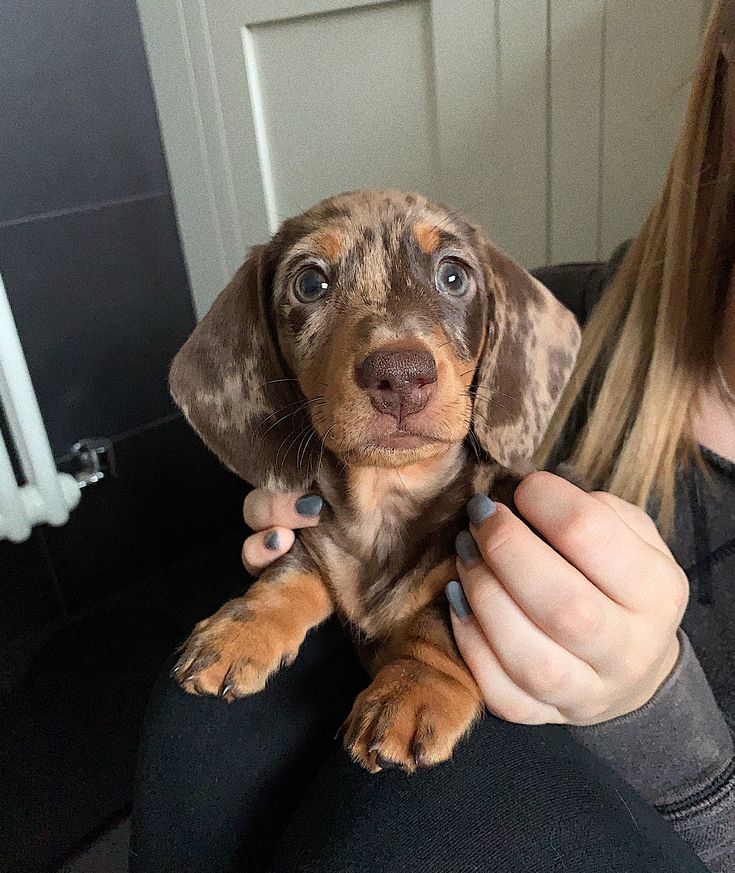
547	588
502	696
575	610
593	537
263	548
636	519
537	664
274	517
264	509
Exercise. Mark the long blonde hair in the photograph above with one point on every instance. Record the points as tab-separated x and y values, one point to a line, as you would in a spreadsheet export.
650	342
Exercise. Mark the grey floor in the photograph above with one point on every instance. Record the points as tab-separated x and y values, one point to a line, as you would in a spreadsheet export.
108	854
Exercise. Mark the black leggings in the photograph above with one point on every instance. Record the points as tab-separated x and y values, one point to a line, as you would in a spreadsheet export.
261	784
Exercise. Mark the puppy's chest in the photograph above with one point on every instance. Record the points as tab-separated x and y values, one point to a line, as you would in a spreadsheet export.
379	529
387	549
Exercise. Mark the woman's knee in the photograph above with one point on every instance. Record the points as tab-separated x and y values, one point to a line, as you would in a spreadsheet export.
512	798
216	777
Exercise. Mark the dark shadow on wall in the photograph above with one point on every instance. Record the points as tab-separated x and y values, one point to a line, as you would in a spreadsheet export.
92	263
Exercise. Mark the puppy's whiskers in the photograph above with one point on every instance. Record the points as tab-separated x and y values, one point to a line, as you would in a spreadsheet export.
481	415
301	454
302	405
324	446
305	433
478	392
475	445
511	396
302	430
442	224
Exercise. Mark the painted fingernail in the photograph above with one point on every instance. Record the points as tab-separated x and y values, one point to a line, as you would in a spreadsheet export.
467	549
309	505
273	541
479	508
457	600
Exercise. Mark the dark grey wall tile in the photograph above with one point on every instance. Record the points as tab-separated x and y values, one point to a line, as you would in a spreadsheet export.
101	301
29	600
78	116
170	494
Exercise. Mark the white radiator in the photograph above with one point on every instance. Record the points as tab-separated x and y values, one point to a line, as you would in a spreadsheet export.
43	496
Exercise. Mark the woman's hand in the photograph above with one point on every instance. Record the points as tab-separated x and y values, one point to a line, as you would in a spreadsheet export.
578	627
275	517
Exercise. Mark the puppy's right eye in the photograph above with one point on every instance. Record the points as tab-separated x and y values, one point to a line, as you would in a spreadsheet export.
310	285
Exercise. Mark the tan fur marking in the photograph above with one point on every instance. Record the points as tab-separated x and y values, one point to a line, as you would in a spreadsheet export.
330	244
427	237
346	413
420	703
253	635
422	594
370	487
434	582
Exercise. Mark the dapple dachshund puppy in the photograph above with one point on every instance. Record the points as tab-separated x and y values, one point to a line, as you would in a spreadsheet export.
381	352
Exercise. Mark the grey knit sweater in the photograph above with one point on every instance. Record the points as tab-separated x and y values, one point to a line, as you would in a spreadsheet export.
677	751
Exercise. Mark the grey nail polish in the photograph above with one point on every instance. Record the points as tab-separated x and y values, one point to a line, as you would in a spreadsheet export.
273	541
457	600
479	508
467	549
309	505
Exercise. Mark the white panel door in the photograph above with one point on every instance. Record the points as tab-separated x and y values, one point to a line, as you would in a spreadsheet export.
549	121
269	105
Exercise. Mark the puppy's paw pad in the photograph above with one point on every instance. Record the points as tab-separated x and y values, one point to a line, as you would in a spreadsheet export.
244	677
408	725
199	671
227	656
210	673
196	667
397	736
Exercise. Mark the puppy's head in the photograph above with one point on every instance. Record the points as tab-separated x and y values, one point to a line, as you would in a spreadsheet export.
383	328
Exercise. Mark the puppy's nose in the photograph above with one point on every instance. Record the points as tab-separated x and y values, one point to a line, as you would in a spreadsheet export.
399	382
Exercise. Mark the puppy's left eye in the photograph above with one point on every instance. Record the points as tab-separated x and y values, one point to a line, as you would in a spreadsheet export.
311	285
452	278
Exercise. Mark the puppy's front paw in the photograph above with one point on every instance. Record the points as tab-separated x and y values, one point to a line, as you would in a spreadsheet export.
231	654
411	716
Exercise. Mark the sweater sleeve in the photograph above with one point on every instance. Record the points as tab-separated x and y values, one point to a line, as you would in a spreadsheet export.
677	751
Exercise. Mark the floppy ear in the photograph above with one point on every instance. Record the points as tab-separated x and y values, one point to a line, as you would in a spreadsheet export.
530	350
233	386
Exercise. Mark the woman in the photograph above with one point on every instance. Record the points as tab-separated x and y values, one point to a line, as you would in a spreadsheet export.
566	616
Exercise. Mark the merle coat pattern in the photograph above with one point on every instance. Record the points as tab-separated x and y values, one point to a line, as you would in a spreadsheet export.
381	352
